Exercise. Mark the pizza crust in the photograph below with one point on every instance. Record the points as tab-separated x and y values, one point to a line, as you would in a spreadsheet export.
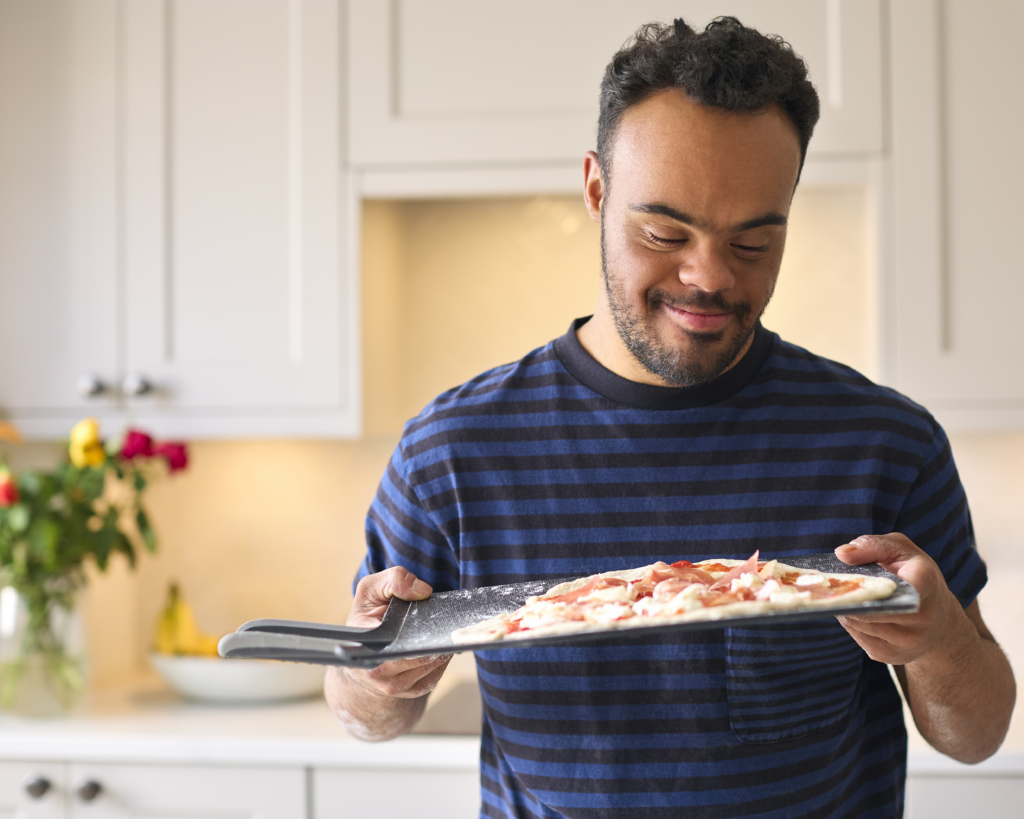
492	630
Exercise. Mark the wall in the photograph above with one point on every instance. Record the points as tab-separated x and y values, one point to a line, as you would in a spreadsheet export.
450	288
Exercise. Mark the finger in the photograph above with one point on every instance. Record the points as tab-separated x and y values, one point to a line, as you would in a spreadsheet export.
888	643
405	680
376	590
876	648
894	633
890	551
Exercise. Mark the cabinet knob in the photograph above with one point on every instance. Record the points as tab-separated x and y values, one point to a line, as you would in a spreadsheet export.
36	786
136	384
89	790
89	384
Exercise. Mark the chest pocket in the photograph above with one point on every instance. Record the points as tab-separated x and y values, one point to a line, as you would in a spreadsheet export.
791	680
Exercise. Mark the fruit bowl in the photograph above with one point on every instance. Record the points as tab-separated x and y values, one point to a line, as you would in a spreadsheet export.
215	680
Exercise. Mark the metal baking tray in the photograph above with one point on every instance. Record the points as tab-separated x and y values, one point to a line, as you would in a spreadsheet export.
424	627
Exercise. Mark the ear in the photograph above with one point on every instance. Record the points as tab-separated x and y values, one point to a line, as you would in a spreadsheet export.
593	185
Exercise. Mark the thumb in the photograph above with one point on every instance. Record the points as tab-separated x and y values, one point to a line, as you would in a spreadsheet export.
889	551
376	590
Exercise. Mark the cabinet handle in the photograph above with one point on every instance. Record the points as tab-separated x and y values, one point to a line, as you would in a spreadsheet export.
37	786
89	790
136	384
89	384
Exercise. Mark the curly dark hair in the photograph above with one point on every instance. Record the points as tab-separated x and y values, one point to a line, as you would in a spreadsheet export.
727	66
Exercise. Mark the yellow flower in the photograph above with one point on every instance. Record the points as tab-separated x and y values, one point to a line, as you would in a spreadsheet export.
86	448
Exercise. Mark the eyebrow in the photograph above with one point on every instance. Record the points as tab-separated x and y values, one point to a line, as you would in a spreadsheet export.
686	219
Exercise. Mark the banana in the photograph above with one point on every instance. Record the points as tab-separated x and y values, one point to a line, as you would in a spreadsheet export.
176	631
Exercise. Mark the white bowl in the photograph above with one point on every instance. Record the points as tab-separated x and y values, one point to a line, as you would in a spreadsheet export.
213	679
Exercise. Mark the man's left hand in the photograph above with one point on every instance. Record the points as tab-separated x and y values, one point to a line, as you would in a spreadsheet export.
956	680
900	639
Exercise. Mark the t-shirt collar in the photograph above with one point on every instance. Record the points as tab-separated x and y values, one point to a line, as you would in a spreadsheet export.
585	369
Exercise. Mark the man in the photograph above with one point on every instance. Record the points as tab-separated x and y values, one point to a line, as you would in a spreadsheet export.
669	426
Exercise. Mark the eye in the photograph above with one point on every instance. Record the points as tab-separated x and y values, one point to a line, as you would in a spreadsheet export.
751	250
654	238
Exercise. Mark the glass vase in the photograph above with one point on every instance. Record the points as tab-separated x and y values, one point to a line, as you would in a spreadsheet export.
42	653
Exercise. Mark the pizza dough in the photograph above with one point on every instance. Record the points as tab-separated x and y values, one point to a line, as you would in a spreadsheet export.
683	592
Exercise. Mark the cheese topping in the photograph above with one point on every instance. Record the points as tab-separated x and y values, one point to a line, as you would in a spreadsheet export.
746	581
612	594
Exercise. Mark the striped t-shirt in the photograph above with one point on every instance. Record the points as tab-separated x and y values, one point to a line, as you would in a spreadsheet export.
555	466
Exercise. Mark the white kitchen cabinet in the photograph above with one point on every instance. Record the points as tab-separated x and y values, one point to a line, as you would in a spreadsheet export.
177	218
53	790
955	797
58	205
955	271
233	208
209	792
32	790
469	83
396	794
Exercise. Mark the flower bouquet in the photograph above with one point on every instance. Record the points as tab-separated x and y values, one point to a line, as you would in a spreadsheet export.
88	508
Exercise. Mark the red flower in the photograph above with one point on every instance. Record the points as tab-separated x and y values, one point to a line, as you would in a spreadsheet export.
175	453
136	444
8	490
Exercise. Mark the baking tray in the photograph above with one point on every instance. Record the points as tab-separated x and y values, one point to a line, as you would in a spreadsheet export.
424	627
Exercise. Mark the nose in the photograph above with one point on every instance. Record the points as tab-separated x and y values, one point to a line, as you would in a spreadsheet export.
707	268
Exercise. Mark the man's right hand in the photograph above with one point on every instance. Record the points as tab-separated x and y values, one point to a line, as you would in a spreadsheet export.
384	702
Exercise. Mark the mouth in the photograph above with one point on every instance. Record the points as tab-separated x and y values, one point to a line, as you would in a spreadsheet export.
698	321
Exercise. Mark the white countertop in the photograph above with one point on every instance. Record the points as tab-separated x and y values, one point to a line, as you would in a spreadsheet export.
146	723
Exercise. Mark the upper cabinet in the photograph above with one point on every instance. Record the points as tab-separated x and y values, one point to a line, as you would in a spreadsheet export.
176	223
59	265
232	194
463	83
955	271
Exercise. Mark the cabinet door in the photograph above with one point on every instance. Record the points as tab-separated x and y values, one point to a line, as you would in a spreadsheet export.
396	794
58	205
17	800
958	171
236	294
137	791
438	794
959	796
464	81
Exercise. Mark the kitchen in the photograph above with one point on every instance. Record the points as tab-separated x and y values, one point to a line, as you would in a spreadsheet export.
440	219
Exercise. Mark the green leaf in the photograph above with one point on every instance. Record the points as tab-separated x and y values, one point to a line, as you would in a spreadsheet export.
139	481
105	539
30	482
18	517
123	545
148	535
43	538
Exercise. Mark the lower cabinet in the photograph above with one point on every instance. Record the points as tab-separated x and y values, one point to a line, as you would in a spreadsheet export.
56	790
30	790
991	797
395	794
104	791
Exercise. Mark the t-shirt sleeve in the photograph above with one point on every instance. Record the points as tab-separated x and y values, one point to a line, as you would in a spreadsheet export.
401	532
935	516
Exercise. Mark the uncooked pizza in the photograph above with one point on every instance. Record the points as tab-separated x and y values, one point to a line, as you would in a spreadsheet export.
681	592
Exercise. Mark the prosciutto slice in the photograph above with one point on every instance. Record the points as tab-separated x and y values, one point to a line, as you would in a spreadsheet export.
725	581
660	572
597	584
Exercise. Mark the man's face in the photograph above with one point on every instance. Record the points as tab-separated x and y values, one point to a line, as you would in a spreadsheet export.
692	232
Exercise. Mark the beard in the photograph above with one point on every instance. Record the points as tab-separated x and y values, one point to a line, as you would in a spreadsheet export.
708	354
